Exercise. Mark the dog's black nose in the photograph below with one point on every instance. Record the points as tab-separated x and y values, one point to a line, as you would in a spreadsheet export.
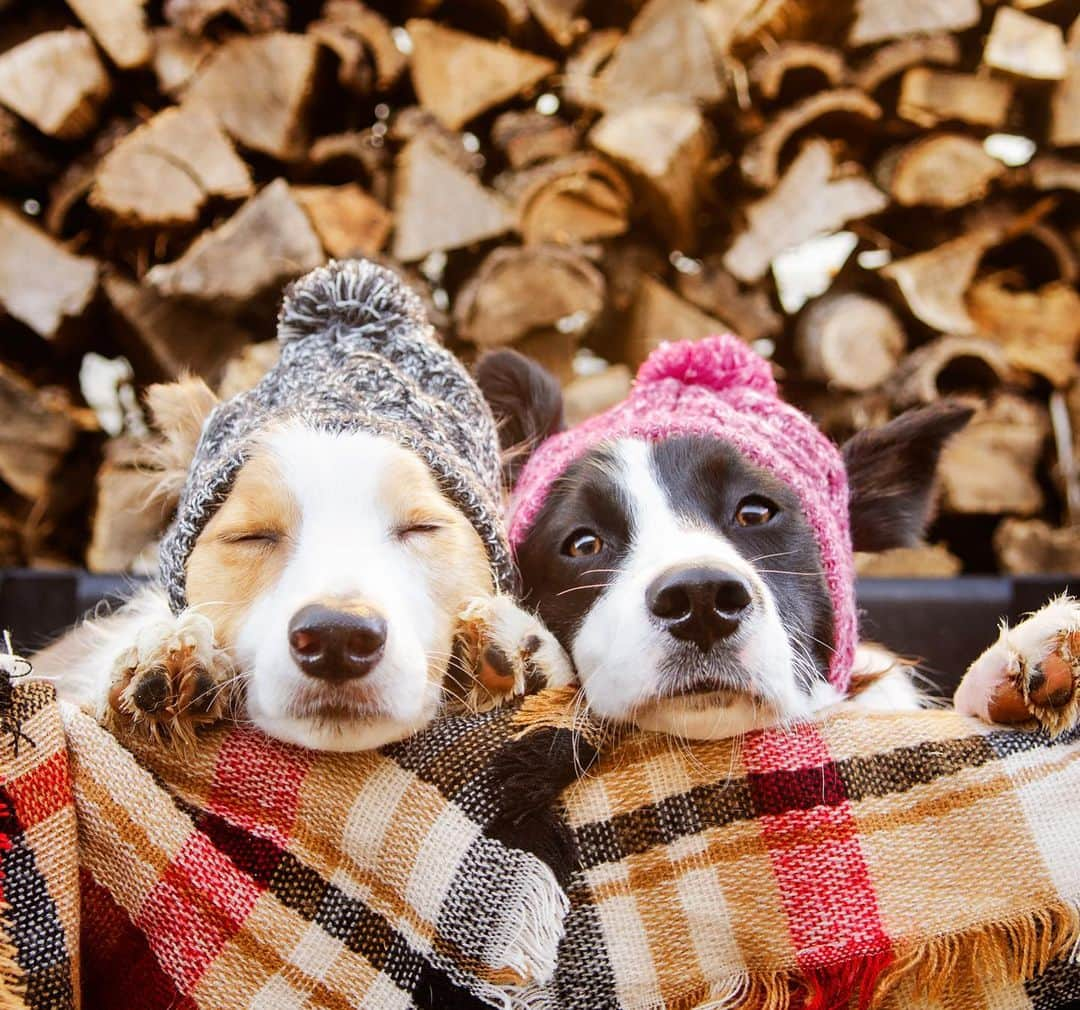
335	644
698	604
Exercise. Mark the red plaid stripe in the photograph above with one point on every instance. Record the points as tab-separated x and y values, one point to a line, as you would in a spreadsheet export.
810	829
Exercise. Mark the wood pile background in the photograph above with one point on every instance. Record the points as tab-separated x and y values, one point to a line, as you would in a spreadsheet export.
883	195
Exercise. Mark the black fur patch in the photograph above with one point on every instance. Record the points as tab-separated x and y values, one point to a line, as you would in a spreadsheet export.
563	589
891	474
526	401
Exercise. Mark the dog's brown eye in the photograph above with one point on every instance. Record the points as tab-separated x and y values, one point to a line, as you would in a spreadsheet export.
582	543
754	511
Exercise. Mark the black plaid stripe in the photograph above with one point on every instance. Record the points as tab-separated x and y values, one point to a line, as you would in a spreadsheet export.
584	978
35	927
723	803
1057	988
361	929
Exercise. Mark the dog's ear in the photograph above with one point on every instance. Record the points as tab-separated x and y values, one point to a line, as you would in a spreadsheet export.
526	400
178	411
892	475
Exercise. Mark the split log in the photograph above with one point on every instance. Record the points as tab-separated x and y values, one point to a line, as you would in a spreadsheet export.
255	16
267	242
664	147
658	314
930	561
529	137
807	201
581	85
162	174
516	291
1038	330
37	429
560	19
177	58
1065	101
989	467
665	54
1025	46
624	264
555	351
368	58
879	20
948	366
770	70
929	97
41	283
56	82
439	206
713	290
414	123
1049	173
849	341
591	394
127	515
172	336
22	159
888	61
244	370
347	220
259	89
578	198
120	29
760	162
934	283
1034	547
457	76
946	170
840	415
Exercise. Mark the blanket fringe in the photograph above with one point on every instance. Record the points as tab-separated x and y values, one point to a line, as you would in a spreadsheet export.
939	969
1001	953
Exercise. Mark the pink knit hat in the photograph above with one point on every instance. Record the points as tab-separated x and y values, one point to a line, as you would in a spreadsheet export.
721	388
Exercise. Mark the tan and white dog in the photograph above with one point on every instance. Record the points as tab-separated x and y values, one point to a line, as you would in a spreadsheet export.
336	565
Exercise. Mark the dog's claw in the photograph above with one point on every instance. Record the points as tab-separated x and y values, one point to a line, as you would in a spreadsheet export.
1031	674
171	681
507	651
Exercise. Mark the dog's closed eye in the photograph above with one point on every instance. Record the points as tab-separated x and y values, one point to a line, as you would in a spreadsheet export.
255	537
418	528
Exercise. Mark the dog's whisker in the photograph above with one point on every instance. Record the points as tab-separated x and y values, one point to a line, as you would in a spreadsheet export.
575	589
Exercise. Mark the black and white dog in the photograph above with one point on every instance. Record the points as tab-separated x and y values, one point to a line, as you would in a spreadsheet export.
684	581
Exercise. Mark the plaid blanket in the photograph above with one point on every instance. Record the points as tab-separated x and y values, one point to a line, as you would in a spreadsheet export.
890	861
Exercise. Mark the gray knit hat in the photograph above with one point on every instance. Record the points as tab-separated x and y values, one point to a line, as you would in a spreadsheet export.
357	354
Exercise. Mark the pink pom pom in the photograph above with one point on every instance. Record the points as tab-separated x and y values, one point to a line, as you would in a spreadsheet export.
721	363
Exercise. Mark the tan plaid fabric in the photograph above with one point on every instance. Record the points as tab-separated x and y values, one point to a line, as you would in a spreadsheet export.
919	861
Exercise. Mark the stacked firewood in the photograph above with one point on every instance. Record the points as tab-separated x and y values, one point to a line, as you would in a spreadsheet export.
882	196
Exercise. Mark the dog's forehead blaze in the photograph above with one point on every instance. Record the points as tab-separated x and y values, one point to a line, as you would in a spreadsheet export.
224	581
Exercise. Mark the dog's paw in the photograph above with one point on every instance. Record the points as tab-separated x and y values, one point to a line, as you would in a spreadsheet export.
508	651
172	680
1031	673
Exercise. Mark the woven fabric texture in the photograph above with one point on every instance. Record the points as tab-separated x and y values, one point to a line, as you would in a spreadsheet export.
912	861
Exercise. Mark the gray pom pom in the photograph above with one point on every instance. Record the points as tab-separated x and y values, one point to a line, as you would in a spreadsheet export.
348	296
